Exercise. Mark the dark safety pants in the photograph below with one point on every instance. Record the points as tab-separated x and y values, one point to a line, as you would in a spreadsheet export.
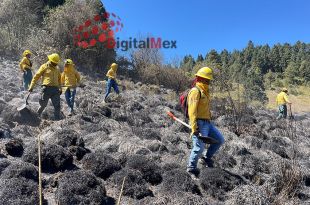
282	112
52	93
27	78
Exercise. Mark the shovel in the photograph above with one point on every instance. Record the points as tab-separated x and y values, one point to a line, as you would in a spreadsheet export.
24	107
291	117
205	139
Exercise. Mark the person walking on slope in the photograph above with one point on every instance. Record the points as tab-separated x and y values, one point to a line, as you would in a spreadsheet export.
282	100
111	81
50	84
26	66
70	79
199	118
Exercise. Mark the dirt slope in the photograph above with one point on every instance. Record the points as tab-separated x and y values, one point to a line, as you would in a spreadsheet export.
87	156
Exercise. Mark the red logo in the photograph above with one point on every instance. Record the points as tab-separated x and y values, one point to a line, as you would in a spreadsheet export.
100	29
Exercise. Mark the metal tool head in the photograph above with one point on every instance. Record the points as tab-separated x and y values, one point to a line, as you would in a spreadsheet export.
24	107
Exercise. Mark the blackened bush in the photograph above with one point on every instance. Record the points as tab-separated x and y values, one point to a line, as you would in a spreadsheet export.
80	187
66	138
278	146
54	157
147	133
135	186
138	119
20	170
24	117
179	180
18	191
217	182
143	151
2	105
157	147
170	166
133	106
178	198
2	156
101	164
150	170
15	147
5	131
226	161
252	165
77	151
101	111
4	163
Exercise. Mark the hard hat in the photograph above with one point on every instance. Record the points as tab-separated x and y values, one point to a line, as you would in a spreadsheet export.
27	52
54	58
114	66
68	62
205	72
284	89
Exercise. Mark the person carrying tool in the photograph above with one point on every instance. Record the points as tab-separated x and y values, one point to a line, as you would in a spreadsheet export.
111	81
26	66
51	81
199	118
70	79
282	100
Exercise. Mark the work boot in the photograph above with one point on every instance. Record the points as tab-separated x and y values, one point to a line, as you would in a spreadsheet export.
193	172
208	162
71	112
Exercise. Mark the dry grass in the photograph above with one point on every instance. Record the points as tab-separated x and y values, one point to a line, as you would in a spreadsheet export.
300	98
300	102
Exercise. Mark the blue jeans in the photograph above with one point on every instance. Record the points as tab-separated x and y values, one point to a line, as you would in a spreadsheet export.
70	95
206	129
27	78
111	83
282	111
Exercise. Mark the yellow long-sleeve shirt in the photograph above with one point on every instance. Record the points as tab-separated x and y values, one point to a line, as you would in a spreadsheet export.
282	98
70	78
50	76
198	105
25	64
112	72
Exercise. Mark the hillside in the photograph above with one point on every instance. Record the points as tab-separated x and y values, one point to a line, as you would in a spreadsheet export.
300	102
86	157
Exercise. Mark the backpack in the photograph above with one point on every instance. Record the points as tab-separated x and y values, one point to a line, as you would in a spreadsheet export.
183	101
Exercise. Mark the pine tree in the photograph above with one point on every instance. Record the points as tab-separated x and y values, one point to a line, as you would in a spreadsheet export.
199	58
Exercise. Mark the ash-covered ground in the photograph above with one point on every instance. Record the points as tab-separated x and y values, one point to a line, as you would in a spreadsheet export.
86	157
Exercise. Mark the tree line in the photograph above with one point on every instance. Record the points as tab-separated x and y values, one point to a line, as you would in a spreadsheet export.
258	67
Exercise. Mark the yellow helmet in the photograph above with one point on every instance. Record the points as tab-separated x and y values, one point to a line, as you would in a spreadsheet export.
27	52
205	72
54	58
68	62
114	66
284	89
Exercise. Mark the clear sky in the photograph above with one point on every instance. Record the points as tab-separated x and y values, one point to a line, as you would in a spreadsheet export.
201	25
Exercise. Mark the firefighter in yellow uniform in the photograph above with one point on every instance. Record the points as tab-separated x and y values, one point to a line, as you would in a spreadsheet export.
26	67
200	121
111	82
70	79
51	88
282	101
